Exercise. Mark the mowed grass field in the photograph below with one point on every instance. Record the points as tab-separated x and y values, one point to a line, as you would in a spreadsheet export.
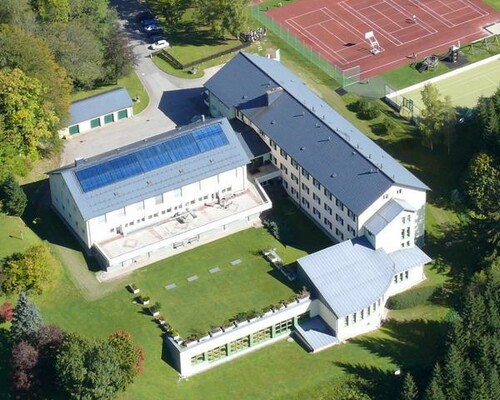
465	88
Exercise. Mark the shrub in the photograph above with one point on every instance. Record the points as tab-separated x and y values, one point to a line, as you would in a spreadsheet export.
411	298
13	198
272	227
6	312
367	109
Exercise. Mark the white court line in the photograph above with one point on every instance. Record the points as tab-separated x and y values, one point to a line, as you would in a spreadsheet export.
318	42
454	11
445	22
388	35
390	19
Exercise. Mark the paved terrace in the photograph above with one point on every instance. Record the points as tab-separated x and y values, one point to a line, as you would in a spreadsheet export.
173	228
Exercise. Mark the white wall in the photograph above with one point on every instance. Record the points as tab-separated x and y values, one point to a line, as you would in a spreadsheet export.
415	276
399	233
149	211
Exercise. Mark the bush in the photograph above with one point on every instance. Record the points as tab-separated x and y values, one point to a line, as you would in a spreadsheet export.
367	109
272	227
411	298
12	196
6	312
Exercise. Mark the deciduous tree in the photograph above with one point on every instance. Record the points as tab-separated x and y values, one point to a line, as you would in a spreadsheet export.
118	55
481	183
28	271
223	16
52	11
6	312
23	371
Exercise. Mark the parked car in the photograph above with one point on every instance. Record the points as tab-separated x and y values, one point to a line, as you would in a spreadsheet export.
152	28
143	15
150	21
160	44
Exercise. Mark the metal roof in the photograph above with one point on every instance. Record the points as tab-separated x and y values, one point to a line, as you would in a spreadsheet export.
316	333
100	104
352	167
138	187
251	142
408	258
386	214
351	275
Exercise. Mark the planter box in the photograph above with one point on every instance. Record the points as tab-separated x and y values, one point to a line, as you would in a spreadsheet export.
154	313
215	332
268	313
190	343
145	302
228	328
204	338
241	323
133	290
303	299
253	319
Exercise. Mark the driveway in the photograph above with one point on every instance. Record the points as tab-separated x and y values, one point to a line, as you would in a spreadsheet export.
173	101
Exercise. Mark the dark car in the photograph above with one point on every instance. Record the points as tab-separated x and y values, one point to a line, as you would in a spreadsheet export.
148	22
154	38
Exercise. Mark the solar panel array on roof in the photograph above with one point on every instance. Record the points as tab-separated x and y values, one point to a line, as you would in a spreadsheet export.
141	161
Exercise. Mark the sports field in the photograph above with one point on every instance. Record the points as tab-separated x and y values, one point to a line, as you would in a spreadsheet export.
378	35
464	88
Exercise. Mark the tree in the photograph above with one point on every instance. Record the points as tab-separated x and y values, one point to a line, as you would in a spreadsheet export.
25	118
23	373
26	321
6	312
481	183
434	390
78	50
30	271
12	197
97	369
410	391
52	11
119	55
173	11
19	13
437	118
454	367
222	16
31	54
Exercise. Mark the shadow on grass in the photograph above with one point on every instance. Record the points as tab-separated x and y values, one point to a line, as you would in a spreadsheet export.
4	363
42	220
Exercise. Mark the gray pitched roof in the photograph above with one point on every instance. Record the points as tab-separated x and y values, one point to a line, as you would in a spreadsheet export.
251	142
316	333
336	153
100	104
352	275
157	181
386	214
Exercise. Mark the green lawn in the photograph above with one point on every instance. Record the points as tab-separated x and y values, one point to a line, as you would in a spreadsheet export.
493	3
15	236
130	82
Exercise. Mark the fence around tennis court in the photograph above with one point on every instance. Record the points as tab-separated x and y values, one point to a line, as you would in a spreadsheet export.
343	77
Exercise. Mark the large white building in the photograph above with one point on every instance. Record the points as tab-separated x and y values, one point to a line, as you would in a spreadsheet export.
141	203
145	201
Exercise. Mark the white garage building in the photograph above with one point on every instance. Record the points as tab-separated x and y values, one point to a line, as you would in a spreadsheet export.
98	110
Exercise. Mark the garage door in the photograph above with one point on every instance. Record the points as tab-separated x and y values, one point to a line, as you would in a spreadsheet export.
122	114
95	123
74	129
108	118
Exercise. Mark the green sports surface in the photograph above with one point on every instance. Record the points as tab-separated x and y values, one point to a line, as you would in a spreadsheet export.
464	88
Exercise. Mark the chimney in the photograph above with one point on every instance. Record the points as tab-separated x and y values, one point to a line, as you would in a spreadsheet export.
273	94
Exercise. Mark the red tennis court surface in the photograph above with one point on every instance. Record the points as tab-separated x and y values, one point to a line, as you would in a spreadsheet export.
404	28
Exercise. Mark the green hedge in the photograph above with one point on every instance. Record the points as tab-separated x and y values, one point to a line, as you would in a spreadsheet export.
411	298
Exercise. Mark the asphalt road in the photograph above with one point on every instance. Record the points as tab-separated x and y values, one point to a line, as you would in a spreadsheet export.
173	101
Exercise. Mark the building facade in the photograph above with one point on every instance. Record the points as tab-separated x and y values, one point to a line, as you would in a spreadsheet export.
99	110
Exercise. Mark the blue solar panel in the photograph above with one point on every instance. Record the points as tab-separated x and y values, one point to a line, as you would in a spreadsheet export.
150	158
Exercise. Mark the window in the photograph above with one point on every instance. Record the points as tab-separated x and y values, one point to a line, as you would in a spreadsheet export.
408	232
351	215
400	191
362	314
293	191
317	213
328	209
408	243
294	178
283	327
109	118
159	199
339	219
283	154
385	196
408	218
339	234
351	230
95	123
74	129
339	204
316	198
402	233
305	202
368	311
274	160
240	344
217	353
198	359
122	114
407	274
395	279
328	223
316	183
305	173
285	184
272	144
305	188
294	163
328	194
283	168
346	321
354	318
262	335
401	276
403	219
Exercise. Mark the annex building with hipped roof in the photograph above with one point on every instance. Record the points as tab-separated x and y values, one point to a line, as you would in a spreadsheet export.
140	203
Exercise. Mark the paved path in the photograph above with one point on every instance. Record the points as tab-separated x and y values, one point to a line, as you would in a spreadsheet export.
173	101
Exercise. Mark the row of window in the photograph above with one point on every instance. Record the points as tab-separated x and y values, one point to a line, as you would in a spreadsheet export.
403	276
243	343
362	314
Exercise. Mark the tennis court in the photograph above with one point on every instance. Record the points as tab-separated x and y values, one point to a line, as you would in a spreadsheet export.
463	88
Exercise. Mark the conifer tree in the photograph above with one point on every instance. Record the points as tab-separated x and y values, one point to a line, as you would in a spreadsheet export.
434	390
454	373
410	391
26	321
